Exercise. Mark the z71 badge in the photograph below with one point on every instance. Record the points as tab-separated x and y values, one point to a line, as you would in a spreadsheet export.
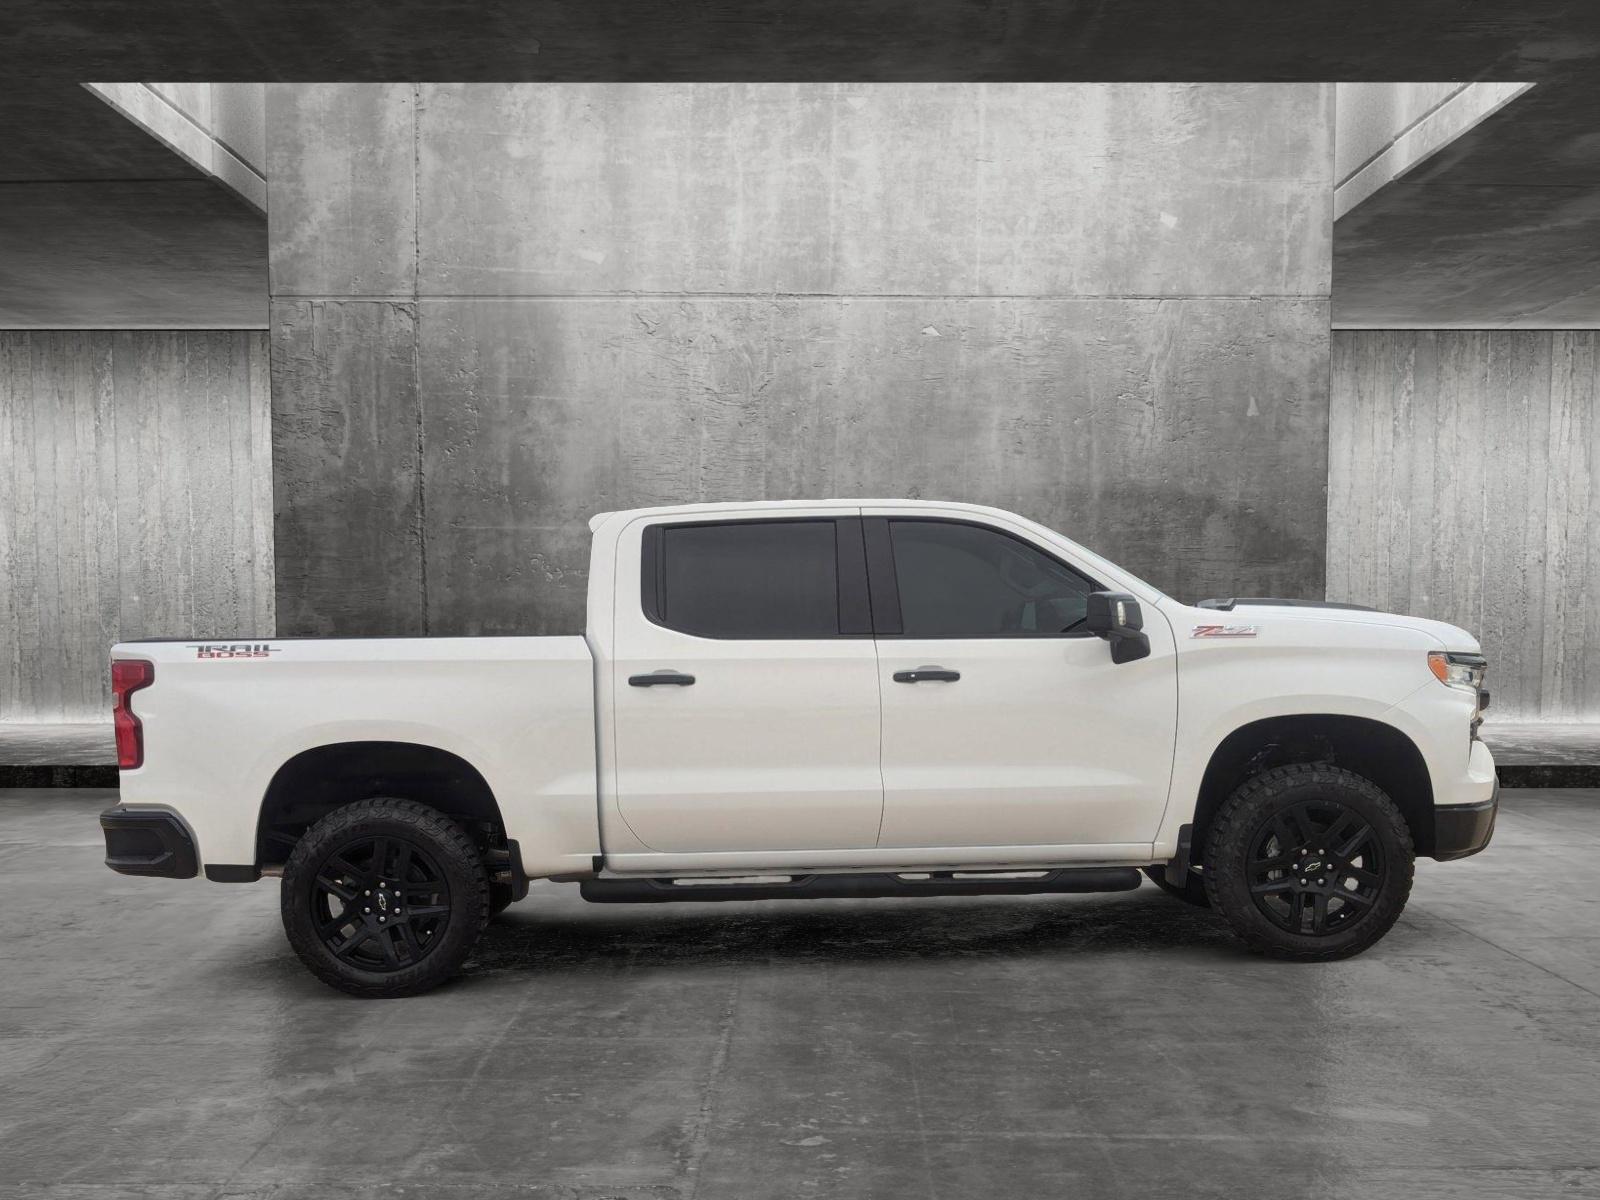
236	650
1225	631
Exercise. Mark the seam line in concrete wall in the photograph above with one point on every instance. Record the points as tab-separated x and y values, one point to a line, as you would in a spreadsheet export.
416	352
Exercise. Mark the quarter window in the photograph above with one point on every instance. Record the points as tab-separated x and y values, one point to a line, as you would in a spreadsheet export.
968	581
748	579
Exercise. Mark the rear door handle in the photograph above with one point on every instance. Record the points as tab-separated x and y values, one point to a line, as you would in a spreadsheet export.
657	678
927	675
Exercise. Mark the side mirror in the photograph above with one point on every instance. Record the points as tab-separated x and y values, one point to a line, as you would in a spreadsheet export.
1116	617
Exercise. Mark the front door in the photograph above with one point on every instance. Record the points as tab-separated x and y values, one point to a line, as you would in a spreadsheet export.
1004	724
746	692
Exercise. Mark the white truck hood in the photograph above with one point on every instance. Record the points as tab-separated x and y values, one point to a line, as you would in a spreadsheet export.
1450	637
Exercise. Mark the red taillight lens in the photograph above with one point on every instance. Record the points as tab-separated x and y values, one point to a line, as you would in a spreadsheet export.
128	675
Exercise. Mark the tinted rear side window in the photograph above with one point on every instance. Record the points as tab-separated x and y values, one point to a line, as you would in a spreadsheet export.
750	579
966	581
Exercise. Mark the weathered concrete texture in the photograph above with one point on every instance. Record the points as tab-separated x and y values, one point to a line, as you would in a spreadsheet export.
938	40
1465	484
1541	743
341	170
135	502
345	450
862	189
125	254
1102	418
42	744
1500	229
1101	305
159	1040
197	121
1386	129
102	226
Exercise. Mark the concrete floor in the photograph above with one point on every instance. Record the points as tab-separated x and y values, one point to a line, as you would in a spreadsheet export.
158	1039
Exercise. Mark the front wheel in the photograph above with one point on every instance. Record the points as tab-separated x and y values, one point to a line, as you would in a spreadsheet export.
1309	862
384	897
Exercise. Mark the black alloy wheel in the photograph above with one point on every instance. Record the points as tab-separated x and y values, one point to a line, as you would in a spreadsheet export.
380	903
1309	862
384	897
1314	866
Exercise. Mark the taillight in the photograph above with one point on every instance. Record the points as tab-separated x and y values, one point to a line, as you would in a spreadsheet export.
128	675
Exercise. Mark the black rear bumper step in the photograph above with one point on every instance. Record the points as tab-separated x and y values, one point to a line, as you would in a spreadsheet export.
148	841
836	887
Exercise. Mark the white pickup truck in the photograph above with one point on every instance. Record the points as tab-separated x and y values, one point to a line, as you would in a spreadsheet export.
845	698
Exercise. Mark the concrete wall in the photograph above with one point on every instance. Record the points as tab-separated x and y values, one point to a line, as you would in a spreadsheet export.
218	127
1464	484
103	226
1386	129
135	500
498	309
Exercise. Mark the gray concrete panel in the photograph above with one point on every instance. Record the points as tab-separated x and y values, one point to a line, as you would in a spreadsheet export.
1185	439
1004	189
132	504
1103	306
345	442
341	172
1465	485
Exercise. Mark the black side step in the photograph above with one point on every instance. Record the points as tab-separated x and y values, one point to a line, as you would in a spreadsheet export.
814	887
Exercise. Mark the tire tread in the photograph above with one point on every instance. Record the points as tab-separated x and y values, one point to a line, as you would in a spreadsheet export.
444	836
1239	817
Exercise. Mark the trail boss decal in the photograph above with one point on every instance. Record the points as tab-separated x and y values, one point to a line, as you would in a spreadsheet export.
1225	631
236	650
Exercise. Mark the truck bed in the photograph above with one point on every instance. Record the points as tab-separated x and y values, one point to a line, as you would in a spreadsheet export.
222	717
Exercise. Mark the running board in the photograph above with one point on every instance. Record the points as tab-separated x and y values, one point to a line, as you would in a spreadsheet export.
844	886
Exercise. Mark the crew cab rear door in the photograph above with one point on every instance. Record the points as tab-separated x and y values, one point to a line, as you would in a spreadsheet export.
1004	723
744	685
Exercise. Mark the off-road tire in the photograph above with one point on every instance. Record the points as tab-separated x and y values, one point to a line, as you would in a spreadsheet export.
1284	793
439	851
1193	892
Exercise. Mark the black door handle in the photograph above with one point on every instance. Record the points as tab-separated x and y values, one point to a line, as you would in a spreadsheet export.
927	675
656	678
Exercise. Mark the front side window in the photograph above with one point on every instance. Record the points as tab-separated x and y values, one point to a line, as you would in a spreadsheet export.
747	579
968	581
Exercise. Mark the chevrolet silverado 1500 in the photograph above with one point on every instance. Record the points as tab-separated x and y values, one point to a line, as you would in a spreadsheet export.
828	699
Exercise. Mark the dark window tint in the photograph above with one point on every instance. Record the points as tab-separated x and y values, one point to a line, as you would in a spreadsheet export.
967	581
751	579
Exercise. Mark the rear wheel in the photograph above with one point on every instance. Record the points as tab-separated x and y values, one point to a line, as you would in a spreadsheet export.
385	897
1309	862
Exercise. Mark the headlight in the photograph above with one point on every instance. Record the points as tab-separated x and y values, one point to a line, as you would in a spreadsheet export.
1464	671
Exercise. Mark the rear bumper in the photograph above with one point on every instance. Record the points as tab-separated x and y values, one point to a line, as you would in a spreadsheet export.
148	841
1463	829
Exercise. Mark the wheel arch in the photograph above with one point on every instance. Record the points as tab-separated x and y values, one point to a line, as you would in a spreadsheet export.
321	779
1372	749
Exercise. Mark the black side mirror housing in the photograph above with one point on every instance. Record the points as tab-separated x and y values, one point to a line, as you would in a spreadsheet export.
1116	616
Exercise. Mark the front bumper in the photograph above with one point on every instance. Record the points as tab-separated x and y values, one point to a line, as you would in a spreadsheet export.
1463	829
148	841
